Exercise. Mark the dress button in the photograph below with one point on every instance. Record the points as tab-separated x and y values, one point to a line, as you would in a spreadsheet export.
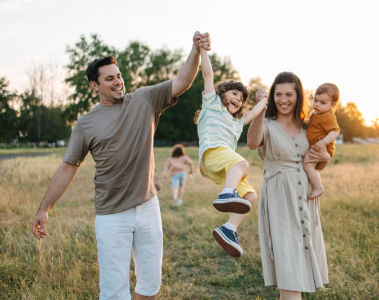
296	145
303	235
301	208
297	162
302	221
306	247
298	170
298	155
299	197
299	182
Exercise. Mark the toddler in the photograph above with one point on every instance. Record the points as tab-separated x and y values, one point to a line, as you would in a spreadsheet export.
322	130
219	125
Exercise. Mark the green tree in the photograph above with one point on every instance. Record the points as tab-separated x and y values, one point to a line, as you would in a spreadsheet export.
54	126
255	83
80	56
39	123
350	120
138	64
132	62
30	121
374	128
8	116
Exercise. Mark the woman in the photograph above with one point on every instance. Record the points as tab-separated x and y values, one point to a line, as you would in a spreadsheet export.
291	240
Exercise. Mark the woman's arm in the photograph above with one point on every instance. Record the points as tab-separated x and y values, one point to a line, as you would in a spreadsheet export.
255	133
322	158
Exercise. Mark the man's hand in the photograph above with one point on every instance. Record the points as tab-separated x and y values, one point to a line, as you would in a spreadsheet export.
202	41
39	225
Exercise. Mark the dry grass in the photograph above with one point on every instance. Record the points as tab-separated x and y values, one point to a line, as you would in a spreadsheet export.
64	266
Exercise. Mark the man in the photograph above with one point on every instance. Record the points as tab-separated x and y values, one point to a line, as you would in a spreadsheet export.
119	133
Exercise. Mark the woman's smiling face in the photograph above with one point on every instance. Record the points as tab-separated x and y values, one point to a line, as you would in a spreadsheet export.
285	98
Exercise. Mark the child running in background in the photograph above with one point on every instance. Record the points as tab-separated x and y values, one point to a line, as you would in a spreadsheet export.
219	125
178	163
322	130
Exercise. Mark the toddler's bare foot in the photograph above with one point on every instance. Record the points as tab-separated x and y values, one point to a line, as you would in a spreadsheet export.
316	193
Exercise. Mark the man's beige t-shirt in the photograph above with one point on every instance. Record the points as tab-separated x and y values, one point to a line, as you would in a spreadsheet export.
120	138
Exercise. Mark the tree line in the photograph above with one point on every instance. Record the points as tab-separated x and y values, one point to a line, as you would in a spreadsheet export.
26	117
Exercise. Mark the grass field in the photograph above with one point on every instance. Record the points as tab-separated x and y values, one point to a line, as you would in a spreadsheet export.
64	266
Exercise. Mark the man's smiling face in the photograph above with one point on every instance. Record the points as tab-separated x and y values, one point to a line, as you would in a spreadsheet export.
111	85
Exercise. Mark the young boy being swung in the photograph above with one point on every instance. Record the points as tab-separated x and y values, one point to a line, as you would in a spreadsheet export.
322	130
219	124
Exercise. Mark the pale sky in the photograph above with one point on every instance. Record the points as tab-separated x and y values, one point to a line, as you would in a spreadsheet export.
320	40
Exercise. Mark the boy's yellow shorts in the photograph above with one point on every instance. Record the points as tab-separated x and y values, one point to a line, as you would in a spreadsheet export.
216	162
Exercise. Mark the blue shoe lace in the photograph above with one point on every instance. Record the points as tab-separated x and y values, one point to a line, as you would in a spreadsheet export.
236	237
228	232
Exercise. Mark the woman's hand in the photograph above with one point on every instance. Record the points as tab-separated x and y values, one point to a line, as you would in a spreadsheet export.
261	94
321	157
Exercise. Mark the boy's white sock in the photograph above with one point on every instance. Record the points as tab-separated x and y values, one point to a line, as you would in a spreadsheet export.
230	226
227	190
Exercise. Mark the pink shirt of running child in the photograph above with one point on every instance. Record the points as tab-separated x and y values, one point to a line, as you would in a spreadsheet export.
178	164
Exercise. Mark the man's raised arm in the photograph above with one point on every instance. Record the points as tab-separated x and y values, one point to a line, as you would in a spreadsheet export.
188	71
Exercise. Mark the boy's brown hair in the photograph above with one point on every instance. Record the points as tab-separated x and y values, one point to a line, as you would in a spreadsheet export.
221	88
330	89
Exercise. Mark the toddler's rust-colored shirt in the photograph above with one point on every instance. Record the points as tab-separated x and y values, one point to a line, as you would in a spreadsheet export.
319	126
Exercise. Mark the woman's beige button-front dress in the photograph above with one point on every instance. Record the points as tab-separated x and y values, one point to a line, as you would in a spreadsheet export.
290	234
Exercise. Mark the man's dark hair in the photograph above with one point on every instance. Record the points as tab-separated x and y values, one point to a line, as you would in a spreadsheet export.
93	68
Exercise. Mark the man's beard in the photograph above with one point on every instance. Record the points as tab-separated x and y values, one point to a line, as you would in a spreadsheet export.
118	100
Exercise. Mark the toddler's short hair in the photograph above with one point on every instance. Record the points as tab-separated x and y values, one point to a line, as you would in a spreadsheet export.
330	89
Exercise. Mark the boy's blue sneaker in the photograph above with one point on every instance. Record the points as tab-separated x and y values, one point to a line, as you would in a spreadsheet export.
229	202
228	240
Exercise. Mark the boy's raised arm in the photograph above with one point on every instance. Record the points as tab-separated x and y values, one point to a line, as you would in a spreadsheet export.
207	71
255	112
188	71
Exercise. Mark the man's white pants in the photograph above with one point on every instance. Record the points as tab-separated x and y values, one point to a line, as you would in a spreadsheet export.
135	232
